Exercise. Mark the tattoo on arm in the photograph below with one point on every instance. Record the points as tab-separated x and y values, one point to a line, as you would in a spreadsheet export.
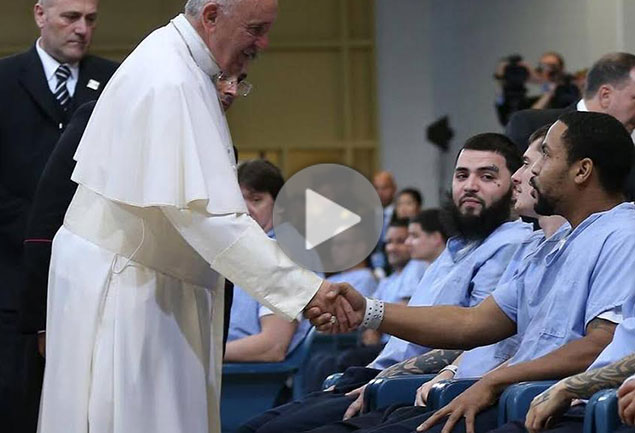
598	324
584	385
429	362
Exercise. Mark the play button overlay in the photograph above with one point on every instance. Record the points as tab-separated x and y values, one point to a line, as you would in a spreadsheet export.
321	209
327	218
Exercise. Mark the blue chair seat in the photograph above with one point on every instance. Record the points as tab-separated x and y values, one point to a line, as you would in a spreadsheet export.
250	388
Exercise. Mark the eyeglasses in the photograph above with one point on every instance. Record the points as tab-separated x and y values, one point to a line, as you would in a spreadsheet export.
243	87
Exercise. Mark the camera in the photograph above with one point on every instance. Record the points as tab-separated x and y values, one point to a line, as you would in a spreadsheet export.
513	78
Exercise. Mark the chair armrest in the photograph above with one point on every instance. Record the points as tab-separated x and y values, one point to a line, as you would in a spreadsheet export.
444	391
601	413
331	380
515	400
382	392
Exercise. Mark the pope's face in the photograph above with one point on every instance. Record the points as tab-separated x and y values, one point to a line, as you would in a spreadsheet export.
241	32
66	27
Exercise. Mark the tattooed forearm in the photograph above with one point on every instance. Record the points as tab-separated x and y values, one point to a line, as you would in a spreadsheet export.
430	362
584	385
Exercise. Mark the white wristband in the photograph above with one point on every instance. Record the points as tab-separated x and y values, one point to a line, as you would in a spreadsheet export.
453	368
374	314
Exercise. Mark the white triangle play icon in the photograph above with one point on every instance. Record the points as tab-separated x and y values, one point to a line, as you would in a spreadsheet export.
325	219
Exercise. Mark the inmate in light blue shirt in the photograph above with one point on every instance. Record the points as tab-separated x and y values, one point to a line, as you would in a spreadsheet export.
412	274
362	280
389	288
590	273
464	274
478	361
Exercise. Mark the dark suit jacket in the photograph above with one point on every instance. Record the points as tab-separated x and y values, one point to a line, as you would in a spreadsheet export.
524	122
31	122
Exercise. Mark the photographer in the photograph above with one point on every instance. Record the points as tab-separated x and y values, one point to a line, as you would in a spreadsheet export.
558	87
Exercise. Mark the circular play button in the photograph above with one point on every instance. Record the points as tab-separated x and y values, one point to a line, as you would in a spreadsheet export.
327	218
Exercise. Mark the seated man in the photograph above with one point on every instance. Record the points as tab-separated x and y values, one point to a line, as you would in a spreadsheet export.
408	203
426	241
464	274
255	333
566	316
478	361
558	409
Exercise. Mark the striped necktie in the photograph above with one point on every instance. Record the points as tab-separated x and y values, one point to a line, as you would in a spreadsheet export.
62	74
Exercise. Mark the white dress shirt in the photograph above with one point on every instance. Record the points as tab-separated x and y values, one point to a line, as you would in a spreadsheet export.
50	66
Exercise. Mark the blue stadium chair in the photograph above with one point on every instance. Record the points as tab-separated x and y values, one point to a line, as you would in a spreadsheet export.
601	415
515	400
382	392
250	388
444	391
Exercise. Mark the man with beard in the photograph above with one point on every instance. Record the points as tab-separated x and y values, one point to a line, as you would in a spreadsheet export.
476	362
566	316
464	274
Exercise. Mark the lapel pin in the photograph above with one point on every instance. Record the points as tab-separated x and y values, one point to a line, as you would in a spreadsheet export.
93	84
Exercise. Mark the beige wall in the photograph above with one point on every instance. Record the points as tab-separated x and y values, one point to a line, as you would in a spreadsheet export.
314	97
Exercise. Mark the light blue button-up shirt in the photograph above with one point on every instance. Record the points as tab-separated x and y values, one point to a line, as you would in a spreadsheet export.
412	274
590	273
389	288
464	274
361	279
478	361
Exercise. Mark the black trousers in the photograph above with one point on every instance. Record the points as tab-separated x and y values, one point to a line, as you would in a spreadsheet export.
571	422
405	419
315	410
21	373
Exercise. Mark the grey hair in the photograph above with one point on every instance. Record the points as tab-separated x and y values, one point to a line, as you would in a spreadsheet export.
193	8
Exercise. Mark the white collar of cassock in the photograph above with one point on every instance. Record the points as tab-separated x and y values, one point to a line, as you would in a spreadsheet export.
199	51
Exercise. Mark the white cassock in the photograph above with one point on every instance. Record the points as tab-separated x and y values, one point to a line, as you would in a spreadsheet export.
135	306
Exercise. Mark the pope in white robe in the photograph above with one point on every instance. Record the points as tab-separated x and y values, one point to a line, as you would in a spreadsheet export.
135	308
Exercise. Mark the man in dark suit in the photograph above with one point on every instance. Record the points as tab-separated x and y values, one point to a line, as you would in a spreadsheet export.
39	90
610	89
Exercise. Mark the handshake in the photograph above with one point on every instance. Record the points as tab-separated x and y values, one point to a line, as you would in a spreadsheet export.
336	308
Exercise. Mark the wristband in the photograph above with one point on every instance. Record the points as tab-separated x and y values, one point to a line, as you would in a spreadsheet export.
374	314
451	367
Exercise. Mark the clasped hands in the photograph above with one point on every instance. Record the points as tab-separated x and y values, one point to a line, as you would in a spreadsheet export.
336	308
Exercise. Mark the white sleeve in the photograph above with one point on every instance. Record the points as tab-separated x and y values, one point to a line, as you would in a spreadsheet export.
237	248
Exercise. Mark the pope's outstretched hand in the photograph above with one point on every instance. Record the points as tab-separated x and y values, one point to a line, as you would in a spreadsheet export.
336	308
